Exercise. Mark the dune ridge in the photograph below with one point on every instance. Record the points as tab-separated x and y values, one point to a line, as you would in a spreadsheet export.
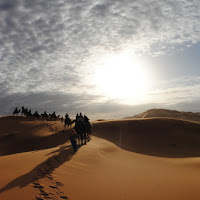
190	116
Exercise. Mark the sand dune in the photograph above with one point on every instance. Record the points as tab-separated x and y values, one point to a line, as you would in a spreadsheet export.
163	137
19	135
168	113
126	159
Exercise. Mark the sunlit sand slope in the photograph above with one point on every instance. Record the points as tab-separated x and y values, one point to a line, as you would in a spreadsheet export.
169	113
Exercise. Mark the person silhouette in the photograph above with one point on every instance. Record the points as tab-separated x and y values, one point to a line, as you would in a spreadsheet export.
61	119
73	136
81	117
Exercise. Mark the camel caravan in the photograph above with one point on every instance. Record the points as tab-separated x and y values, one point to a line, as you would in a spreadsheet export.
35	116
79	134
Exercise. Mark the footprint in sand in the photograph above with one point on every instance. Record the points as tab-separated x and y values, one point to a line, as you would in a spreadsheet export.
63	197
38	186
38	198
44	193
59	184
54	187
34	183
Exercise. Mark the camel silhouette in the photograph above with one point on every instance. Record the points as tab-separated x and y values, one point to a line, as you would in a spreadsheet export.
16	111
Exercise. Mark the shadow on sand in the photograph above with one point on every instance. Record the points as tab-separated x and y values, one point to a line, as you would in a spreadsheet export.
35	143
160	137
42	170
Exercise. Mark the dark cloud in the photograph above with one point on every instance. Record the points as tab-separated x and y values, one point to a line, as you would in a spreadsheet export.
50	102
6	6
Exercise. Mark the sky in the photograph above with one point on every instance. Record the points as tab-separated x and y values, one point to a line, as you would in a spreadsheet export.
107	59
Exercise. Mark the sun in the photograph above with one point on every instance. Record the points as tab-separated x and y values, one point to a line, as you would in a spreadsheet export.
122	76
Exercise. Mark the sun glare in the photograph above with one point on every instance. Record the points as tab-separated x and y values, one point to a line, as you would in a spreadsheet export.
122	76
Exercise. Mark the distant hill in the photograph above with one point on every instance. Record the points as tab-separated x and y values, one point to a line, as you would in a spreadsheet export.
169	114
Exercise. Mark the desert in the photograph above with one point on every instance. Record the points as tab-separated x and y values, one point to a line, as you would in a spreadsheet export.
99	100
131	158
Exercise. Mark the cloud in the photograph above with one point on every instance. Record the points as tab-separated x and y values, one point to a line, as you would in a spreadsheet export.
177	91
41	101
37	34
51	46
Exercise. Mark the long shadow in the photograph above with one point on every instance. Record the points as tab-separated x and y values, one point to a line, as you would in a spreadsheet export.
35	143
58	150
42	170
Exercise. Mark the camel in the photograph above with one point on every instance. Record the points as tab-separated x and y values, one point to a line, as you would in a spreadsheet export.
69	122
23	110
44	115
53	116
16	111
82	131
29	113
36	115
88	127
